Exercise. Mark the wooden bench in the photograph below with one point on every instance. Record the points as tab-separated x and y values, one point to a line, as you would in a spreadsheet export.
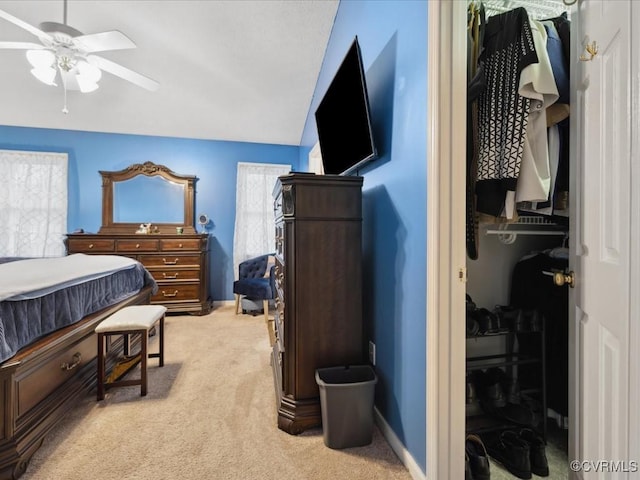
135	319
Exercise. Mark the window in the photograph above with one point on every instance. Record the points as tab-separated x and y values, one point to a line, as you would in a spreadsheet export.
255	227
33	203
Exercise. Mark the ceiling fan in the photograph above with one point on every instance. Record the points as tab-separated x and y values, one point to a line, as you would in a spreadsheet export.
69	55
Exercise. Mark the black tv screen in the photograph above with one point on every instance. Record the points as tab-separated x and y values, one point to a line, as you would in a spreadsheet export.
343	120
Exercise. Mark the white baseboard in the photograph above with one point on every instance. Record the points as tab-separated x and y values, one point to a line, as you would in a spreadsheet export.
223	303
397	446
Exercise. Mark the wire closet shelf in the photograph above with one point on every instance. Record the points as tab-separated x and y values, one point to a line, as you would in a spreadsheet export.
537	9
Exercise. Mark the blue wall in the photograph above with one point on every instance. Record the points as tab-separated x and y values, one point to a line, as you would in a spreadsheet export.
213	162
393	40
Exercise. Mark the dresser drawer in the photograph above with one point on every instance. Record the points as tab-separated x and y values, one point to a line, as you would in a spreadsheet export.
279	278
37	385
179	244
170	260
142	245
174	275
277	206
280	239
84	246
279	330
169	293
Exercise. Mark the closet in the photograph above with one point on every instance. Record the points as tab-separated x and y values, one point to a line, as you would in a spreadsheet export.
517	227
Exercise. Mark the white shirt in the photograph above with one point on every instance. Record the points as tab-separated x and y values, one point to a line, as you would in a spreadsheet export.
538	84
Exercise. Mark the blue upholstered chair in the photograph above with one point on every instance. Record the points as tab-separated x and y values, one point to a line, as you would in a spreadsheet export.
256	281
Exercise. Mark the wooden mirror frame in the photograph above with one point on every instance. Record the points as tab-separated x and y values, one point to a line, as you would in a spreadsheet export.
149	169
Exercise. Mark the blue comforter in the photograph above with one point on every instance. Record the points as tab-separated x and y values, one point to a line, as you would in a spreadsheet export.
24	321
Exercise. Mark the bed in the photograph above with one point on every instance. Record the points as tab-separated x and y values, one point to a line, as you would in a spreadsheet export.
49	309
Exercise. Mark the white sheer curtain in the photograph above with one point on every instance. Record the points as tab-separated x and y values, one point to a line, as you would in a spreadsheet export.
255	227
33	203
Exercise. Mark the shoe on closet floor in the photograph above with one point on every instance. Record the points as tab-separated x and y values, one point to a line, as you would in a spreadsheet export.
537	452
512	452
467	468
478	458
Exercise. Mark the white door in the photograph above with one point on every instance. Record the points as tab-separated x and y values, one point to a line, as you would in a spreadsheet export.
600	326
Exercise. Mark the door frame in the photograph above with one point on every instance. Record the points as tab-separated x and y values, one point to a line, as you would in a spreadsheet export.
634	244
446	256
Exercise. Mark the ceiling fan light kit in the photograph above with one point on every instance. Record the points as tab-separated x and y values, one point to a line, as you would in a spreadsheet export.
66	52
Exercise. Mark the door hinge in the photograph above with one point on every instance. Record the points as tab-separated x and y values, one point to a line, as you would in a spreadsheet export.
462	274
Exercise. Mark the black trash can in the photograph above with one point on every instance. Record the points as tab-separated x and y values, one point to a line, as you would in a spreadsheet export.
346	402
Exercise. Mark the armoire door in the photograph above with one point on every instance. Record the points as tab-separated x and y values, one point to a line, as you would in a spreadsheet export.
601	235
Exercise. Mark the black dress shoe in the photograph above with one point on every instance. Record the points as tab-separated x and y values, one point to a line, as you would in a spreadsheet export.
487	321
537	453
509	318
493	394
467	468
489	390
472	326
478	458
512	453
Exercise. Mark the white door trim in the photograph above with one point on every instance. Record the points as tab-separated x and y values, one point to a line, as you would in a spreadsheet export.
446	256
634	247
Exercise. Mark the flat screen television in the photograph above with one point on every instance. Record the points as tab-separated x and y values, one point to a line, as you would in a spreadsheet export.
343	119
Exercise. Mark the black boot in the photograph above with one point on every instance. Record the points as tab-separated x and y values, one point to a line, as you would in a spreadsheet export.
478	459
537	452
512	453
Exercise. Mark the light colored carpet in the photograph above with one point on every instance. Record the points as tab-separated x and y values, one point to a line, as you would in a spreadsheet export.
209	414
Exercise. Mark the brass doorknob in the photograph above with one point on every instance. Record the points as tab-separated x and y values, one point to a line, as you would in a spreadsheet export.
561	279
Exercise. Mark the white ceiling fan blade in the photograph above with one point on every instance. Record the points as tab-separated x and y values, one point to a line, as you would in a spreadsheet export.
124	73
21	46
29	28
101	42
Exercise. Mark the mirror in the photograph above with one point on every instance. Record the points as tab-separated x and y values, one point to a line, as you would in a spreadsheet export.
151	196
147	193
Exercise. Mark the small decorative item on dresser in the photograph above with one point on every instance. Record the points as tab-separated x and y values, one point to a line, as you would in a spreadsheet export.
179	230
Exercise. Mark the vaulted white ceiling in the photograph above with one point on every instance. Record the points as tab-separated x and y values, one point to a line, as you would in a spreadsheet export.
242	70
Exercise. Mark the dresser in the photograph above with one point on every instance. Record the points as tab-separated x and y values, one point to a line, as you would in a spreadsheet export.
318	315
178	263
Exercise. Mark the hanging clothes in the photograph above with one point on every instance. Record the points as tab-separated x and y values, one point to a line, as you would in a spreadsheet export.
561	186
476	83
502	113
537	83
532	288
556	113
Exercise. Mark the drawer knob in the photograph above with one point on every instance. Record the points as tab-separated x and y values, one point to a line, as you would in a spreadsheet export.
137	245
76	359
164	275
179	245
169	262
174	294
91	245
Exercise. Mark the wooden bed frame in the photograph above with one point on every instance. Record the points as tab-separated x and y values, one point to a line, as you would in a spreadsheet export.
45	380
